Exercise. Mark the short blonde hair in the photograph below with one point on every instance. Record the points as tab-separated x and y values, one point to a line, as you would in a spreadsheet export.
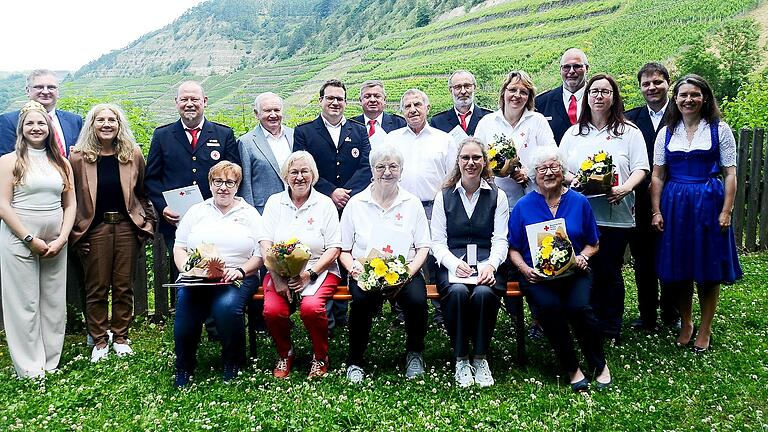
223	168
299	155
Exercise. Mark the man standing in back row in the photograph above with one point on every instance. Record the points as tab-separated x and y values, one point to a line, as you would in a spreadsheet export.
561	106
373	99
461	120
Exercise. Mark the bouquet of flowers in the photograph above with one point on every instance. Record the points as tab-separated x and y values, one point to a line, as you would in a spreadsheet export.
384	273
287	259
203	264
555	253
595	174
502	156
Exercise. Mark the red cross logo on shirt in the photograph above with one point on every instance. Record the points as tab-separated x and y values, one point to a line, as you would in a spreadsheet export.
181	193
546	228
388	249
522	134
608	138
310	221
398	216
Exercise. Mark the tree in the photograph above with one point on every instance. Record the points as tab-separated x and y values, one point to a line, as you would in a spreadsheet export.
422	15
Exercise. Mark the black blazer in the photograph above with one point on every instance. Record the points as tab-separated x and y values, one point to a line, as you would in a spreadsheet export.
389	122
171	162
447	120
550	105
346	167
640	117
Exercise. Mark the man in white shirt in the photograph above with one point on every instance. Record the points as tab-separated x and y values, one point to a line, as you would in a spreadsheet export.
562	106
373	100
461	120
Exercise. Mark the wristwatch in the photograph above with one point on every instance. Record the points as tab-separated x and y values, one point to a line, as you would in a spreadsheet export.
29	238
312	275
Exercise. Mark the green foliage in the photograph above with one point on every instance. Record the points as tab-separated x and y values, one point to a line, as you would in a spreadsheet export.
726	58
750	106
11	87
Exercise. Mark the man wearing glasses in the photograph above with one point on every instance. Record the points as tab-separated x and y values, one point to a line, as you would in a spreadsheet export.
561	106
461	120
43	87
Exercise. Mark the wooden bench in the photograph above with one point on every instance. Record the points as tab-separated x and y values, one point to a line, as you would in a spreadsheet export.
513	291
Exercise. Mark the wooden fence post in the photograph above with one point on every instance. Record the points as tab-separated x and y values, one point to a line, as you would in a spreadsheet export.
160	270
140	301
764	208
756	159
741	179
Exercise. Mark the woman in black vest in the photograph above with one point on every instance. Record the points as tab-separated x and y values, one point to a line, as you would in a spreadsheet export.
469	242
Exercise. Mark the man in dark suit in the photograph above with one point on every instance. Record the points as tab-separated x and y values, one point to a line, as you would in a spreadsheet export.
182	153
649	118
340	146
42	86
373	99
561	106
463	117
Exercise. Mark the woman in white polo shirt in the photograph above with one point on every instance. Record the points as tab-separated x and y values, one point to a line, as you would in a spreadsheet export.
303	213
232	225
603	128
381	213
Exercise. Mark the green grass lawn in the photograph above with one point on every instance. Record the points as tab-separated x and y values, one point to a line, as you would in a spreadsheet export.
657	386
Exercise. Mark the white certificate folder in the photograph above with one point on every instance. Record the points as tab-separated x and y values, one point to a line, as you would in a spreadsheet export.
181	199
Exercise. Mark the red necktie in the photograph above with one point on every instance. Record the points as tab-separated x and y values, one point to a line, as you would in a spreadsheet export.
572	110
194	133
463	119
58	139
371	127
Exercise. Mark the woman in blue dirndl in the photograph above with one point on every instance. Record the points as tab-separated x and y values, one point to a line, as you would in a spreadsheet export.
692	195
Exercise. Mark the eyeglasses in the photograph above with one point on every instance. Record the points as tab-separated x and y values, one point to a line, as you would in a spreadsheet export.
600	92
103	121
392	168
572	66
229	183
467	158
517	91
295	173
331	99
459	87
554	168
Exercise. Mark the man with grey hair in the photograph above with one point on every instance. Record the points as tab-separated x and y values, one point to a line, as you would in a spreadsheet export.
263	151
561	106
373	100
43	87
461	120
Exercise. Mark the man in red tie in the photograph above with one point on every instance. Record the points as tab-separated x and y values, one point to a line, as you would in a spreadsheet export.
373	100
561	106
43	87
461	120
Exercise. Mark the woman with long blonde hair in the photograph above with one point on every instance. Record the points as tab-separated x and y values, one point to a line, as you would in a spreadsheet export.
114	216
37	208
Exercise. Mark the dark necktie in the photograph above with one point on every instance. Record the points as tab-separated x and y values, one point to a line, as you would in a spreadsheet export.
194	133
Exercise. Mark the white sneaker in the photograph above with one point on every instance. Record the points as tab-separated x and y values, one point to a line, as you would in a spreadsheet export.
355	374
464	373
99	354
483	376
122	349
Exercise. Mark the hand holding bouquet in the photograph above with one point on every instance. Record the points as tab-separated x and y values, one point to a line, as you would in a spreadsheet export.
555	254
502	156
595	174
287	260
383	273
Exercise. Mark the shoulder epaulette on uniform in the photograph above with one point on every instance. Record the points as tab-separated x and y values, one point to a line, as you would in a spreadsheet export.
306	122
397	115
165	125
356	121
444	112
221	124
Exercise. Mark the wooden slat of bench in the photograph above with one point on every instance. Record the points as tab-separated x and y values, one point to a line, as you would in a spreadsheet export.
342	292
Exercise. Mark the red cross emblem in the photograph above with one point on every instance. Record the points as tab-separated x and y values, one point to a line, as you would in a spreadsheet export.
310	221
546	228
388	249
398	216
181	193
522	134
608	138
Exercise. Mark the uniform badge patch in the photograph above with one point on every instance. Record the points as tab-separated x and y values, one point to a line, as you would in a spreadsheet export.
355	152
215	155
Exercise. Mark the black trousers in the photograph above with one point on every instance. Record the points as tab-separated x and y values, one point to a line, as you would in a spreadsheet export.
564	302
607	297
470	312
412	298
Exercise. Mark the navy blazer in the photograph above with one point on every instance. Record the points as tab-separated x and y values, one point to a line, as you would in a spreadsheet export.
389	122
261	173
346	167
171	162
550	105
71	124
640	117
447	120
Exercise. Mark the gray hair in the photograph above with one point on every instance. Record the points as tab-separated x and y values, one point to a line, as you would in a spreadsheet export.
462	71
413	91
190	83
548	153
371	84
576	51
38	73
299	155
385	151
261	97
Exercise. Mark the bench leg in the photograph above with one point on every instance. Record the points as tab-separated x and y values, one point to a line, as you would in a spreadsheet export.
520	330
252	328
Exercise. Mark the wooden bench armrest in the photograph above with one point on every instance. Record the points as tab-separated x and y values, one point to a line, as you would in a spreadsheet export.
342	292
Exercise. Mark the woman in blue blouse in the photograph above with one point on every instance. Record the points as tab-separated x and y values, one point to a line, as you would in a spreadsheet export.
565	300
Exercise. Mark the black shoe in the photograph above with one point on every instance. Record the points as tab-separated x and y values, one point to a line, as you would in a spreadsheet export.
702	350
603	386
182	378
230	372
580	386
690	341
641	325
675	324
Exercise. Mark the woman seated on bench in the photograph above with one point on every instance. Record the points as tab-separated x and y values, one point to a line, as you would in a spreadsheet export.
303	213
385	212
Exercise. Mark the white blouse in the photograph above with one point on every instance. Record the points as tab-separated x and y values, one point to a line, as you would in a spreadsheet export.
701	141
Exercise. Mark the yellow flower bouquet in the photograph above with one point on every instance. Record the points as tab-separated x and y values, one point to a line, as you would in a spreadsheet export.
384	273
502	156
555	254
596	174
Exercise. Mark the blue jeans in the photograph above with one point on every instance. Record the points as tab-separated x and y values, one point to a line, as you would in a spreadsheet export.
225	304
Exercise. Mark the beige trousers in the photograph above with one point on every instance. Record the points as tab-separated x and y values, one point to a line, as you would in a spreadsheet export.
34	295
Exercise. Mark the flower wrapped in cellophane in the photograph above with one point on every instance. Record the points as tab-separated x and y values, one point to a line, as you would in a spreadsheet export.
554	253
502	156
596	175
287	260
203	264
383	273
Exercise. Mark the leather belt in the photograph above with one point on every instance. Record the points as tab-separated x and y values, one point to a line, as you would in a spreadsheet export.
113	217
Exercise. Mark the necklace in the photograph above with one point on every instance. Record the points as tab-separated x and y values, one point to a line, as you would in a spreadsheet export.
555	205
